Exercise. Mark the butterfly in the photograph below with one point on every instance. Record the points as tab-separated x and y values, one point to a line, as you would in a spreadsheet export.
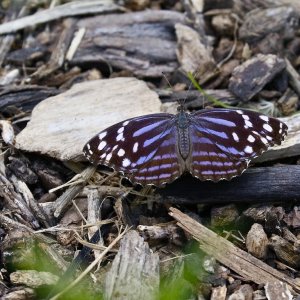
211	144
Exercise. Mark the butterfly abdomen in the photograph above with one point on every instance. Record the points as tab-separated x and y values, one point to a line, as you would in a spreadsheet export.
183	134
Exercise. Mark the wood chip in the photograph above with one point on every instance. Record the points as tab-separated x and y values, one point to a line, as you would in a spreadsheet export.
61	125
250	77
135	271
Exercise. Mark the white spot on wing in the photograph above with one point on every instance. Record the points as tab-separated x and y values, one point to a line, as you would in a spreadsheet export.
120	137
239	112
267	127
101	145
102	135
245	117
264	118
135	147
120	130
264	140
248	124
126	162
248	149
125	123
235	137
108	157
121	152
251	138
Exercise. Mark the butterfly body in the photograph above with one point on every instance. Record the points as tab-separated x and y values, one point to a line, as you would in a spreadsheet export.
211	144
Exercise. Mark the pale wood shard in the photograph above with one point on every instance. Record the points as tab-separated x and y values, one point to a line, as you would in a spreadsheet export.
231	256
73	8
134	273
60	126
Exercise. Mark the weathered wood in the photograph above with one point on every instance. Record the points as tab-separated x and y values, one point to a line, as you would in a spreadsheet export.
57	58
73	8
255	185
24	96
278	290
64	201
135	271
142	42
261	22
231	256
250	77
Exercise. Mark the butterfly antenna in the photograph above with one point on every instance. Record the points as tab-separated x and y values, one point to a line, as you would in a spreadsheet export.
180	101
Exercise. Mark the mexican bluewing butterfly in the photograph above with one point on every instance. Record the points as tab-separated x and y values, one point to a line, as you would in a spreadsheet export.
211	144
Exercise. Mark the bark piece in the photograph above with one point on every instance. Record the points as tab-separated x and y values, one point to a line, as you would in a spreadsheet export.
261	22
143	43
257	241
250	77
73	8
255	185
192	53
229	255
60	126
135	271
285	251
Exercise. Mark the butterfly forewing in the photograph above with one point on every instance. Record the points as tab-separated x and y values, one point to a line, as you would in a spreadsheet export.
127	145
164	166
240	134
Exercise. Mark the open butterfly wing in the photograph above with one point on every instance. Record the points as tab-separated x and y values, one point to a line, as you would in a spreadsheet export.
164	166
209	162
142	148
240	134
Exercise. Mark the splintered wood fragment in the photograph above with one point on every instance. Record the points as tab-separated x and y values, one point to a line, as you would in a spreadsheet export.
250	77
192	53
64	201
73	8
57	58
143	43
134	273
257	241
231	256
240	189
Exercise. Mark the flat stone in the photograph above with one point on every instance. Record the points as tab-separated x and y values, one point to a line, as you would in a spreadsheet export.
61	125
